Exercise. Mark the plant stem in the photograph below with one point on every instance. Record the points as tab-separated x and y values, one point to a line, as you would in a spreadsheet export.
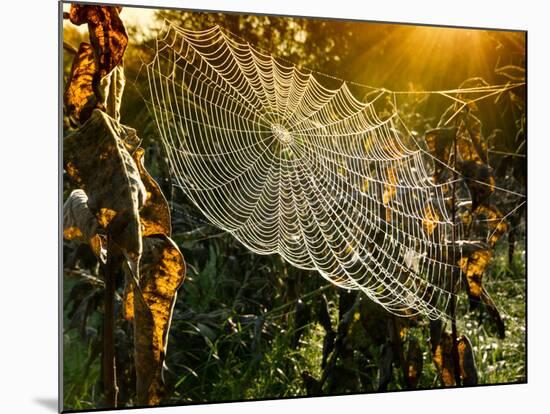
109	364
398	347
454	334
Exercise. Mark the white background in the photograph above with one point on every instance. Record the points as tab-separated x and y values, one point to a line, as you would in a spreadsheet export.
28	203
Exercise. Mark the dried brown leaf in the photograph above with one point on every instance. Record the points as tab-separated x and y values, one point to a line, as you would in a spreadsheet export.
470	142
468	370
78	97
107	33
155	213
162	271
439	142
495	224
429	223
473	266
79	223
444	361
96	159
436	330
479	180
112	88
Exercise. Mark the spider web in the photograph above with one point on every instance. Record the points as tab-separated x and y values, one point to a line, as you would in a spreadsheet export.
288	166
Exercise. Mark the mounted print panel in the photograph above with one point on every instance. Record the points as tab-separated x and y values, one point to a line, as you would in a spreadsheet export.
263	207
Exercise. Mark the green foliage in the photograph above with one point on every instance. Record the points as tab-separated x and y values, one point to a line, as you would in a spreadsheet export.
81	368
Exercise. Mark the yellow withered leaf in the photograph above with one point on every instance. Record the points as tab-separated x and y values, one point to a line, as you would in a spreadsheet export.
439	142
470	142
162	271
97	160
466	218
107	33
128	300
155	213
496	225
429	223
473	265
78	97
444	360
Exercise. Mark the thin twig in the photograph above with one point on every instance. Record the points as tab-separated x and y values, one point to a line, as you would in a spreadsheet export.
110	271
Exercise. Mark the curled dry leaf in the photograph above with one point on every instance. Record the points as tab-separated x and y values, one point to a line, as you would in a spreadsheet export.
79	223
155	213
470	142
439	142
96	159
473	266
78	97
443	359
107	33
468	370
475	261
444	362
496	225
162	271
479	180
493	312
112	88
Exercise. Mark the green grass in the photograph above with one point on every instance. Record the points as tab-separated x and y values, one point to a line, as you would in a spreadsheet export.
502	360
80	384
210	362
80	379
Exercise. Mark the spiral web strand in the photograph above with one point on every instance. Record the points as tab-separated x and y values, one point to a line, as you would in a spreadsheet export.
287	166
